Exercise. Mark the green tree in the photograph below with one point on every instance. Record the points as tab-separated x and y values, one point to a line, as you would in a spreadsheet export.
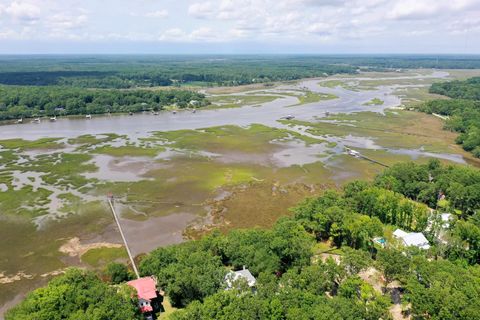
117	273
186	272
355	261
77	295
394	264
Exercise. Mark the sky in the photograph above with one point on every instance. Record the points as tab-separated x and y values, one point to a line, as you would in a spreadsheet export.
239	26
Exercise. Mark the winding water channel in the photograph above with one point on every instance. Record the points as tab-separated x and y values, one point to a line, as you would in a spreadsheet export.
168	229
140	125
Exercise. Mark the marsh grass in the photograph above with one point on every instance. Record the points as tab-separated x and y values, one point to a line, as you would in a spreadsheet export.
99	257
399	129
40	144
24	202
374	102
129	150
236	101
254	139
94	139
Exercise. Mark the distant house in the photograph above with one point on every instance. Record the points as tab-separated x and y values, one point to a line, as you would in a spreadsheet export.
412	239
149	298
233	276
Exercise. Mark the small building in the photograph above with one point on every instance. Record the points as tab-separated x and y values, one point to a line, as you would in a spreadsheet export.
233	276
149	298
412	239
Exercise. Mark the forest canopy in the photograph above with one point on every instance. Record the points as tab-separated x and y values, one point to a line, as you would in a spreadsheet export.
463	111
114	71
28	101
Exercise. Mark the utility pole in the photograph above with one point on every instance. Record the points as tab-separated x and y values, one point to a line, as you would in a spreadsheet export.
110	202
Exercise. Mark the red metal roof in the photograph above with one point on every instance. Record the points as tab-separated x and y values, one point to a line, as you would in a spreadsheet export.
146	288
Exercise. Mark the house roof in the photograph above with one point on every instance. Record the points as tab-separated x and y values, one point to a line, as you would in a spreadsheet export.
399	233
416	239
146	288
235	275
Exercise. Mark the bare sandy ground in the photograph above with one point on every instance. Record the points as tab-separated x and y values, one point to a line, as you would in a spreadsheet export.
73	247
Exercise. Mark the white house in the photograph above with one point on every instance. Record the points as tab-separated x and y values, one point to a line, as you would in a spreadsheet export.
232	276
415	239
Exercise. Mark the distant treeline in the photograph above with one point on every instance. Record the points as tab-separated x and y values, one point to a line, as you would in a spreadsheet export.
463	110
468	89
147	71
30	101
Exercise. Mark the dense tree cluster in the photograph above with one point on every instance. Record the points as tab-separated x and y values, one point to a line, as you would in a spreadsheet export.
441	289
77	295
46	78
147	71
117	273
463	110
427	182
468	89
195	270
17	102
289	285
299	294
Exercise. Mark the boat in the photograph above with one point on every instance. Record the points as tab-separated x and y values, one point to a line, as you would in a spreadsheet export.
155	113
54	118
88	116
288	117
130	113
353	153
174	111
20	120
36	120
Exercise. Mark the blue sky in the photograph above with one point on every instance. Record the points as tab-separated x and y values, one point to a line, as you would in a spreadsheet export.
239	26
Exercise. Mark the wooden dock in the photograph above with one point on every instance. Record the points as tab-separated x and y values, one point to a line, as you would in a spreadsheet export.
374	161
110	202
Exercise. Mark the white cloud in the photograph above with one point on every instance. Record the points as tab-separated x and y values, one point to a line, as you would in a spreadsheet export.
174	34
422	9
201	10
296	22
62	21
157	14
23	10
320	28
467	25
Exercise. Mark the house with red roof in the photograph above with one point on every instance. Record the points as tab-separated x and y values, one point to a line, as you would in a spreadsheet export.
149	297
